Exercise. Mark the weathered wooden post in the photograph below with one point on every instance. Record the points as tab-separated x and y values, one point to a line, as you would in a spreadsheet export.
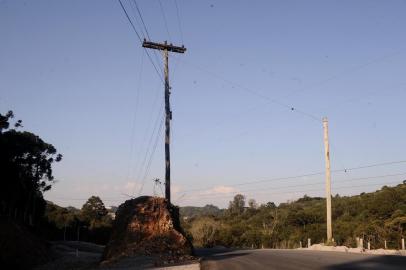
328	181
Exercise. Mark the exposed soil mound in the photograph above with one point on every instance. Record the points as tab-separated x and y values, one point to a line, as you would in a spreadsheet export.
148	226
19	248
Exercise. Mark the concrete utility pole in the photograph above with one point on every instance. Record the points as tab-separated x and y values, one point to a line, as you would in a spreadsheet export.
165	47
328	180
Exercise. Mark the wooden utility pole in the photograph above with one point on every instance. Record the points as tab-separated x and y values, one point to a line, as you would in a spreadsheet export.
328	180
166	48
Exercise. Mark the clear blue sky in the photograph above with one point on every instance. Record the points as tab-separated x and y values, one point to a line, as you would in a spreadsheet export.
75	73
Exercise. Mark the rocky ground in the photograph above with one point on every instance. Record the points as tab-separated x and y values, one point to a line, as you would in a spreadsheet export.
147	227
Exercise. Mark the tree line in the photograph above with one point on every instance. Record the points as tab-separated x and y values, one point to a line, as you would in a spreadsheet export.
376	217
91	223
26	172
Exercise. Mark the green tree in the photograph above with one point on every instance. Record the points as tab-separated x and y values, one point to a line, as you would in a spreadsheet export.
26	171
252	204
205	231
236	206
94	212
396	225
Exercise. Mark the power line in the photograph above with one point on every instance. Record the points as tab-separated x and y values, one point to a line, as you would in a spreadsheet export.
303	175
259	181
128	18
302	191
295	186
149	145
142	20
139	165
146	31
347	71
151	155
166	23
371	165
150	59
179	23
259	95
174	48
135	114
137	20
116	199
140	39
83	199
287	192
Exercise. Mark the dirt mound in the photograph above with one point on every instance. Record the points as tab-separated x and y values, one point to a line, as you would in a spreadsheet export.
148	226
19	248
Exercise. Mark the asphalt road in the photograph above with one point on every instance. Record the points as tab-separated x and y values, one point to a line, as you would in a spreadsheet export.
279	259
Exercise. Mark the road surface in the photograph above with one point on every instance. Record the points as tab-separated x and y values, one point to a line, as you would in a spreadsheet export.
257	259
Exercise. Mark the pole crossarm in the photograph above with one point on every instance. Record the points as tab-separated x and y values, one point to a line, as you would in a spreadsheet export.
163	46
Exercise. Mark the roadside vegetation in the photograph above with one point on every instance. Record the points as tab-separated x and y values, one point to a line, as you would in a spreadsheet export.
91	223
375	217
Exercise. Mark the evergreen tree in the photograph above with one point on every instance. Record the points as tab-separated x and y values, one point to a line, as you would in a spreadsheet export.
26	171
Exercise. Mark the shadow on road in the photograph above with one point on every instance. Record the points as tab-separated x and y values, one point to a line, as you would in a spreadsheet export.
225	256
218	254
202	252
378	262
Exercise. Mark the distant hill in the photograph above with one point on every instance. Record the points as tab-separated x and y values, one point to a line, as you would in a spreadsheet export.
193	211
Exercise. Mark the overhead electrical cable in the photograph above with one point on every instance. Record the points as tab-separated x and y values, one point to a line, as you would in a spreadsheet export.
179	22
147	32
294	186
165	22
142	20
273	193
137	94
149	145
140	39
146	173
220	196
347	71
303	175
256	93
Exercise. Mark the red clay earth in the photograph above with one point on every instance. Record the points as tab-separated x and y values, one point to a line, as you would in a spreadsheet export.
148	226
